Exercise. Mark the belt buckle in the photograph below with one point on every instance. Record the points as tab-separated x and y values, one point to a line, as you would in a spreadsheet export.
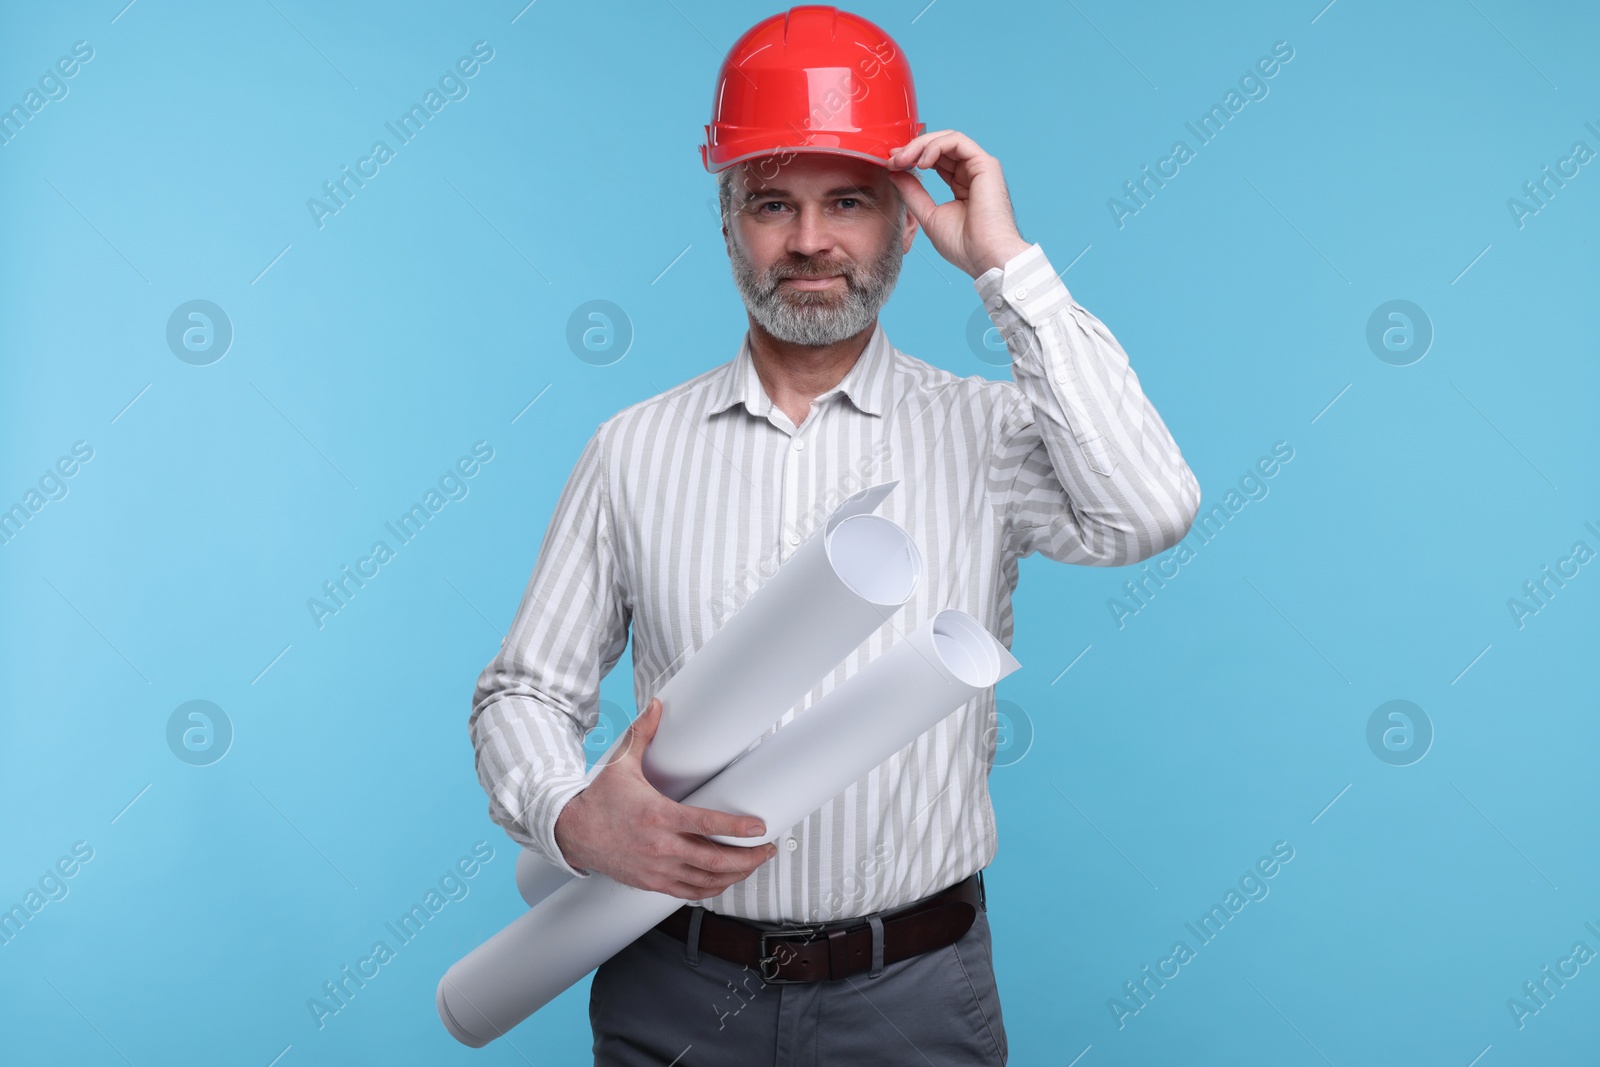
767	964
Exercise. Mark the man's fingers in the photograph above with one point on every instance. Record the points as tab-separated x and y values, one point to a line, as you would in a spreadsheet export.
707	859
720	823
918	202
693	883
944	144
913	147
950	147
685	891
954	156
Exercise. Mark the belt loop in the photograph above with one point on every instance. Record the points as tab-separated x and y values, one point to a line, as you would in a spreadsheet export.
692	942
877	945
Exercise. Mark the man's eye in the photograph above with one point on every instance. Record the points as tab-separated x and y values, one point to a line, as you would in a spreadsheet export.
771	203
849	201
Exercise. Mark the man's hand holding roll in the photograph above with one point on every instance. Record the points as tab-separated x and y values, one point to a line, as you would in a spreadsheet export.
622	827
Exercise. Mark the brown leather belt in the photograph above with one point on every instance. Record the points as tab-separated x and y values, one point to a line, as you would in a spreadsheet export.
795	953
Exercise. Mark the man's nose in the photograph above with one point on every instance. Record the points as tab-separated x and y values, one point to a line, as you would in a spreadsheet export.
810	234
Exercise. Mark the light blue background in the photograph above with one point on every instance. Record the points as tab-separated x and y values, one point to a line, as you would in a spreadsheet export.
427	314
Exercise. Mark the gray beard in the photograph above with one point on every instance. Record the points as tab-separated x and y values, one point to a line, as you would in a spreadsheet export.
817	318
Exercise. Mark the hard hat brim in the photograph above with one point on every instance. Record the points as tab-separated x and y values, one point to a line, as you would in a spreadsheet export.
761	153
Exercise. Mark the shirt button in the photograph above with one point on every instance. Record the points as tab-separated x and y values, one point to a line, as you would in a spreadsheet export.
997	303
799	444
791	844
794	539
1022	294
1061	376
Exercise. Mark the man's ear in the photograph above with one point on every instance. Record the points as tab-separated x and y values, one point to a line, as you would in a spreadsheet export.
910	232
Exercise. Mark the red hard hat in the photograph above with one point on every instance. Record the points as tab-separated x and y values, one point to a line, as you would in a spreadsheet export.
815	79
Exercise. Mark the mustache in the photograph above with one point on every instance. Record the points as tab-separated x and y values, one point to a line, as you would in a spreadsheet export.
779	273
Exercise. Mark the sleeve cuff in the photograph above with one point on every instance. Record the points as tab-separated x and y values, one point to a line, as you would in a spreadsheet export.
544	807
1026	285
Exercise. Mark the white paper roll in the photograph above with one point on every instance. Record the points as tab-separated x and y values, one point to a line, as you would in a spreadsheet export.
820	604
859	724
880	709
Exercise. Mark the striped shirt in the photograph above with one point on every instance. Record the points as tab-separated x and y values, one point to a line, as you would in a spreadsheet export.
681	505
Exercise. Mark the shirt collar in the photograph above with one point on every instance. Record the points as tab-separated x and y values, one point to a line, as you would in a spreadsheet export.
868	383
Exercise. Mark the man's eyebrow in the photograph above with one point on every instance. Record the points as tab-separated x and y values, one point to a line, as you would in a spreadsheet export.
863	191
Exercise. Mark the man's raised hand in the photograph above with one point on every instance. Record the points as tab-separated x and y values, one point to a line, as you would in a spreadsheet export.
977	229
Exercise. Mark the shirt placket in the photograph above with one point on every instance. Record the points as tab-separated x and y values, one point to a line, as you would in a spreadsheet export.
798	490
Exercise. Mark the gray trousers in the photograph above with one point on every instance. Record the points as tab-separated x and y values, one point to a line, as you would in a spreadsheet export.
660	1002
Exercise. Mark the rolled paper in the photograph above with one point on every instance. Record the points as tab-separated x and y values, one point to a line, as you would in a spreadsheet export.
820	604
890	702
859	724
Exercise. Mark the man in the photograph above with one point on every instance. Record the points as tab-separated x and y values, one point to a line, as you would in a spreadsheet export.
680	505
